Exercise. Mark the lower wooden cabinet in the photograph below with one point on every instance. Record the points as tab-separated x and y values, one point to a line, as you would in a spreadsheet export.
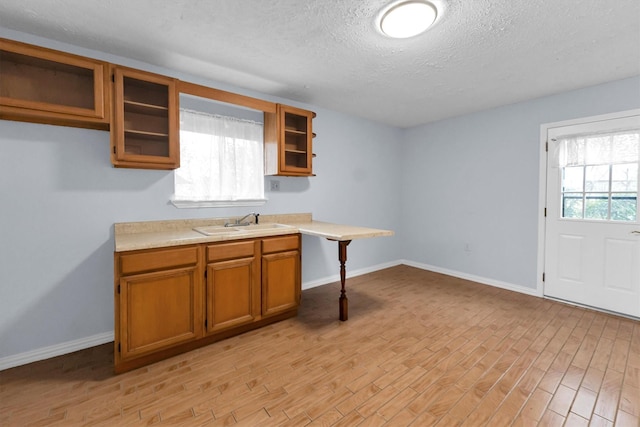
280	275
159	310
172	300
158	301
233	285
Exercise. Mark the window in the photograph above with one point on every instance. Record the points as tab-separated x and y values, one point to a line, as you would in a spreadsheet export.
600	176
221	161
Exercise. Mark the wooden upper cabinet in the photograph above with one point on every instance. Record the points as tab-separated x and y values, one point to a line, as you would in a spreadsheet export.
145	125
288	138
140	109
47	86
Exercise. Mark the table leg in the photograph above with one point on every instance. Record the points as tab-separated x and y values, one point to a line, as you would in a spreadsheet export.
343	301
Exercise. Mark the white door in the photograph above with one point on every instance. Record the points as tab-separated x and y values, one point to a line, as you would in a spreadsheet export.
592	241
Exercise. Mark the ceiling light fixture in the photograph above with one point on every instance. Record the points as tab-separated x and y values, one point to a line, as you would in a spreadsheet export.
407	19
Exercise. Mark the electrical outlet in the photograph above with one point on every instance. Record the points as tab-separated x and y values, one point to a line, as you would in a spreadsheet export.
275	185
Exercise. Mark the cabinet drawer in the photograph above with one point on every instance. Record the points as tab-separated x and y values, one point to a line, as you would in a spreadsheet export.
230	250
158	260
279	244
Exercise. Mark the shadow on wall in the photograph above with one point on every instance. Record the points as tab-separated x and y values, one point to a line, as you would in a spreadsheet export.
94	165
80	158
286	184
317	254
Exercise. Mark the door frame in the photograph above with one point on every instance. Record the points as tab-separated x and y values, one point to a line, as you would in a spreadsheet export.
542	182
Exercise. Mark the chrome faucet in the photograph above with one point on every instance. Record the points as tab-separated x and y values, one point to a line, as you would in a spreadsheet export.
242	222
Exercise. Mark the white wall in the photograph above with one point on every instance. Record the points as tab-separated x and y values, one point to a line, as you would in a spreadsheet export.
60	197
473	180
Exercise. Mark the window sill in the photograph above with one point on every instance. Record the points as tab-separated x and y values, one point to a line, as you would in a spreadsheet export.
188	204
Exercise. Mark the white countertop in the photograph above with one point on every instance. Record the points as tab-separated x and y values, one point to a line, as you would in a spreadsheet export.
333	231
156	234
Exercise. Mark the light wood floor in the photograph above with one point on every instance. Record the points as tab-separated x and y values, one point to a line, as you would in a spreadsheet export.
419	349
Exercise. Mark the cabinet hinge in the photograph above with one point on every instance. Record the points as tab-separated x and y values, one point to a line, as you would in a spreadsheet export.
118	289
205	274
113	78
114	150
546	146
543	277
545	212
119	348
205	323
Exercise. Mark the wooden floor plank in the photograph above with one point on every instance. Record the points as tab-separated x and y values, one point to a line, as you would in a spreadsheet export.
420	349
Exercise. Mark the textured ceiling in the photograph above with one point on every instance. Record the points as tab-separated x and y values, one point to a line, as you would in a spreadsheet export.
479	54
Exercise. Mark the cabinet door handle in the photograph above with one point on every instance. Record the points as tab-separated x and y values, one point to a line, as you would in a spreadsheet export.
635	232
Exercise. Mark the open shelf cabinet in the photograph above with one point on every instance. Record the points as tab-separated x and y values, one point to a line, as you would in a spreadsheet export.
145	126
289	142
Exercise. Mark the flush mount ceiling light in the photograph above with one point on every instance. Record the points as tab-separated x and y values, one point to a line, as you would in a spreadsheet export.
407	19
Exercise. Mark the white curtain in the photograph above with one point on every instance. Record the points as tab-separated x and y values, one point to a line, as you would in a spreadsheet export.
598	149
221	158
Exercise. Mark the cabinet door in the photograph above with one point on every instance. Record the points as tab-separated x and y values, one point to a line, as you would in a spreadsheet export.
280	282
288	138
231	293
158	310
145	127
47	86
296	137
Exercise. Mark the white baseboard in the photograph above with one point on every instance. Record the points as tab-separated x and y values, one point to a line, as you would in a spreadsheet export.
54	350
350	273
473	278
83	343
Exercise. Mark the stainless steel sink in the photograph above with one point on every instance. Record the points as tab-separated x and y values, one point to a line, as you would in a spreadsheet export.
267	226
220	230
217	230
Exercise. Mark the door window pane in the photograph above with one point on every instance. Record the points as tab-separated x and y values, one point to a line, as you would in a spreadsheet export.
597	178
572	205
624	177
600	175
624	207
573	179
596	206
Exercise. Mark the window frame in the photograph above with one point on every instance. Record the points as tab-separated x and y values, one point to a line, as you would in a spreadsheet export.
609	128
234	100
